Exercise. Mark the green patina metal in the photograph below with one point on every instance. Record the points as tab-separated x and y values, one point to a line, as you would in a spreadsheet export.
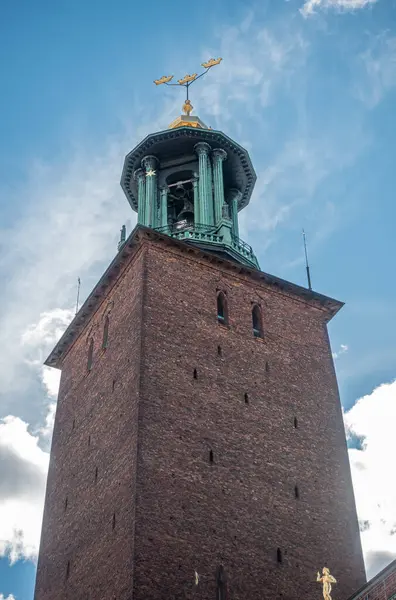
190	183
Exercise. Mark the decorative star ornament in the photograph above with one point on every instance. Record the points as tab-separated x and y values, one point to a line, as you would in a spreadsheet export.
150	173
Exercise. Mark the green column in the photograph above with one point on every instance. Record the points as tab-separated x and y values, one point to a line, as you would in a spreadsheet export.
210	193
163	212
203	149
149	163
197	218
234	197
219	155
140	177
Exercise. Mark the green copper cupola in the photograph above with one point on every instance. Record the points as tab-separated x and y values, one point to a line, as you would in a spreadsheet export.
190	182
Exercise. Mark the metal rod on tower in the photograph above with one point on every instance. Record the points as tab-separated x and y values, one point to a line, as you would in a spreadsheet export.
78	293
306	261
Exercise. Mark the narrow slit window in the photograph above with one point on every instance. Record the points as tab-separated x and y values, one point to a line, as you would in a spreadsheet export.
96	474
90	354
246	398
211	458
66	504
113	385
256	321
105	341
222	309
195	374
114	521
296	491
267	368
219	350
68	569
279	555
295	423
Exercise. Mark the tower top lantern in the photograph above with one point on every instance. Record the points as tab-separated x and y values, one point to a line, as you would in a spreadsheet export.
191	181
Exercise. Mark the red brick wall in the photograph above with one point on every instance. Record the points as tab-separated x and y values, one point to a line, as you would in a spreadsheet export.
183	513
104	436
195	515
381	587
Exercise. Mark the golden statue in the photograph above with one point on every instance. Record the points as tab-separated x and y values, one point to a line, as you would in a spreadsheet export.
164	79
326	580
187	79
187	107
212	62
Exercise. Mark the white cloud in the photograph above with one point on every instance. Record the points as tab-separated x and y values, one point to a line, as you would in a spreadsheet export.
10	597
23	471
259	61
310	6
378	62
372	421
343	348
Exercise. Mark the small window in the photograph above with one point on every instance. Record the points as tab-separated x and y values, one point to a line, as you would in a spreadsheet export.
114	521
90	354
295	423
279	555
105	340
68	569
296	491
219	351
211	458
246	398
222	309
256	321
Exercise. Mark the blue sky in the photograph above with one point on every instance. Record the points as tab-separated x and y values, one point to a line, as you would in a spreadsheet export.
308	88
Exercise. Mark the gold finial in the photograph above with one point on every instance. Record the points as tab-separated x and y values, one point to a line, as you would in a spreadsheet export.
187	107
187	79
326	580
211	62
164	79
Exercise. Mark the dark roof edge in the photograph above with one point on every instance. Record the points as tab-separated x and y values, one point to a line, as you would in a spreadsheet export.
96	296
374	580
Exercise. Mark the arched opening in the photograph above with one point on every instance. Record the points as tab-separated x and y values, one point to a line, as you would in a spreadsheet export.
180	200
256	321
105	340
222	309
90	354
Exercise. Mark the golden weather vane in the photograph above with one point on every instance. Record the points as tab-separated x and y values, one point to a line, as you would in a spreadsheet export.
326	580
187	80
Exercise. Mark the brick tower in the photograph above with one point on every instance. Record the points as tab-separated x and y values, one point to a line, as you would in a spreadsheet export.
198	448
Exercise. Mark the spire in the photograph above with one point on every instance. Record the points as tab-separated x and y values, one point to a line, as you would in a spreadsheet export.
186	120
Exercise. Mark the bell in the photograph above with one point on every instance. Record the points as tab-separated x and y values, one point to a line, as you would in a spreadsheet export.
187	212
179	191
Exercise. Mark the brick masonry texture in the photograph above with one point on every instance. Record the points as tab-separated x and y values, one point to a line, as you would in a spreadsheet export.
381	587
150	440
